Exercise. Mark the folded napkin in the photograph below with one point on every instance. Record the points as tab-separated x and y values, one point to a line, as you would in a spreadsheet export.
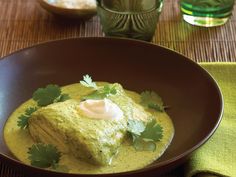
218	155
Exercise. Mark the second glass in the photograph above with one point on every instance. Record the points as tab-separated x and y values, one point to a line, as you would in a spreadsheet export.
206	13
129	18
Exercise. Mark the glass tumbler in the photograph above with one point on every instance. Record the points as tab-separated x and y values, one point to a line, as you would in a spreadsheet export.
207	13
129	18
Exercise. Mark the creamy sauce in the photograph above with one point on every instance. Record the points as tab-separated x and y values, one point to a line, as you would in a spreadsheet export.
127	159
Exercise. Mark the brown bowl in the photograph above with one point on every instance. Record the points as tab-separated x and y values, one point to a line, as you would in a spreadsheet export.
195	99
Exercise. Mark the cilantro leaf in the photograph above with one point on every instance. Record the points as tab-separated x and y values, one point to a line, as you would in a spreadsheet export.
49	95
46	96
88	82
108	89
99	93
23	121
145	136
102	93
23	118
156	107
143	145
96	95
30	111
152	100
153	131
44	155
62	98
135	127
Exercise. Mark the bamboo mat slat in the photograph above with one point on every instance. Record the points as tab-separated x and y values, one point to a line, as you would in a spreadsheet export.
199	44
5	171
24	23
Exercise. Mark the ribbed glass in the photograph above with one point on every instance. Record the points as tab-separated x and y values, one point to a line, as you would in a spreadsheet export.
130	18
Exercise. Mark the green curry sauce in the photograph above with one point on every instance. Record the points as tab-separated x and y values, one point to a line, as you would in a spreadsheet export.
127	159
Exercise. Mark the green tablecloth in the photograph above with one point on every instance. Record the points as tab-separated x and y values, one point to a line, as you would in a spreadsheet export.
218	155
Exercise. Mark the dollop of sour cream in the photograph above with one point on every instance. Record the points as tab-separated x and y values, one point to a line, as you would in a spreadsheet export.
101	109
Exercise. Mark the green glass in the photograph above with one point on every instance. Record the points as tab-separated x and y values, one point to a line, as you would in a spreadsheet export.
206	13
129	18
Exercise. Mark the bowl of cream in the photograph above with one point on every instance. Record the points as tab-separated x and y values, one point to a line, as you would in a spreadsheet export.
82	9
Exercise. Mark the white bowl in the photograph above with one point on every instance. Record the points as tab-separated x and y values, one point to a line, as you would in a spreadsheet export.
83	9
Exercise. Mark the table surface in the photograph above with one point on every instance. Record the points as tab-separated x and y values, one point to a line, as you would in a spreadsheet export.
24	23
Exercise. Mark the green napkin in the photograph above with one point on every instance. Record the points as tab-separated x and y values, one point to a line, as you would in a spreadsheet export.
218	155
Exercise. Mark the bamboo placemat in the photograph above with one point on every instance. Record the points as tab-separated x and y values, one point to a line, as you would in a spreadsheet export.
24	23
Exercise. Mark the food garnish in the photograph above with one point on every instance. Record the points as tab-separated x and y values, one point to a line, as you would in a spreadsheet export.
88	82
43	96
102	93
48	95
99	93
145	136
23	118
44	155
135	127
152	100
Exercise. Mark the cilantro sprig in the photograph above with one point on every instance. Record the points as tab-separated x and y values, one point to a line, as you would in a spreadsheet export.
136	127
48	95
102	93
43	96
152	132
88	82
24	118
99	93
152	100
44	155
144	137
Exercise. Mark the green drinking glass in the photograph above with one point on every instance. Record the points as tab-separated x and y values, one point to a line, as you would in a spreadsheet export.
207	13
129	18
